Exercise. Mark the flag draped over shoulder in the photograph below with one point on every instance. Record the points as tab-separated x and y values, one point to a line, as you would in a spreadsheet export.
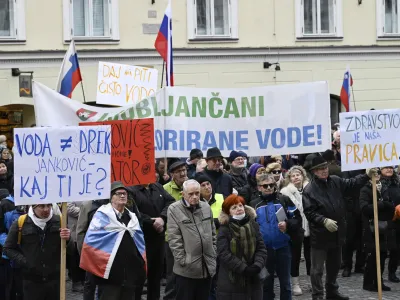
103	239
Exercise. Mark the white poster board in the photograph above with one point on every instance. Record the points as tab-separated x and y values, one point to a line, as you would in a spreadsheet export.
53	165
370	139
124	85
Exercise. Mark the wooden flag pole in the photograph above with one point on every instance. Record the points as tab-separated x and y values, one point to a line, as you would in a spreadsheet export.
63	252
377	245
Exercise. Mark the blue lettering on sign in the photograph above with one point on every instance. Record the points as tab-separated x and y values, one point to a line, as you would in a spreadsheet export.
92	141
32	144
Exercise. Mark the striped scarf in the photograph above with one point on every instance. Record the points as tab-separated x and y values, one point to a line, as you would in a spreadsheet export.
243	245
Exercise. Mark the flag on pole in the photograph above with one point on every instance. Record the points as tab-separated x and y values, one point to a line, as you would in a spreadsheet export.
163	44
345	93
70	74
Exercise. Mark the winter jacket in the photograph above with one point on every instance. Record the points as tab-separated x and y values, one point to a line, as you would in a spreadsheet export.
228	262
7	182
39	251
391	192
153	202
73	209
191	169
266	207
215	203
250	191
6	205
295	196
239	181
325	199
221	182
173	189
192	239
385	213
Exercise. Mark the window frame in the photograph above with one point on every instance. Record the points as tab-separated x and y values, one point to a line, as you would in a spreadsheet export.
380	21
68	19
337	23
19	34
192	23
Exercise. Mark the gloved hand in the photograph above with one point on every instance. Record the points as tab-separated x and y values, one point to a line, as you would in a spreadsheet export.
252	270
372	172
330	225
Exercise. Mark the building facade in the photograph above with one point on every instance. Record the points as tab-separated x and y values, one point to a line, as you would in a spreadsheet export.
217	43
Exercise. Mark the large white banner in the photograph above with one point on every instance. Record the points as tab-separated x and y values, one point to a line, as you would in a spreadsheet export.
369	139
53	165
124	85
284	119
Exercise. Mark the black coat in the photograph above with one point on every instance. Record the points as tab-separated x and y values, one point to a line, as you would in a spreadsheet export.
239	181
385	213
250	191
152	203
221	182
7	182
229	262
325	199
39	252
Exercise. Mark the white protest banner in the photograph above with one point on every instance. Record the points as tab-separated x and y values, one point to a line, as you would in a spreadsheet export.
123	85
66	164
283	119
369	139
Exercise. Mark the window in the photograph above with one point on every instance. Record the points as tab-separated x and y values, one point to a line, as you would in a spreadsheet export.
91	20
212	19
319	19
388	18
12	20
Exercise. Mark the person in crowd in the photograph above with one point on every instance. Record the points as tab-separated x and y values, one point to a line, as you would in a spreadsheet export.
3	141
275	169
215	201
178	172
296	181
277	231
391	191
115	229
192	239
354	230
34	244
245	159
250	191
194	156
334	168
73	258
385	215
6	178
87	210
153	201
276	159
336	146
6	205
7	157
163	177
238	170
221	182
201	165
241	252
13	282
307	164
324	207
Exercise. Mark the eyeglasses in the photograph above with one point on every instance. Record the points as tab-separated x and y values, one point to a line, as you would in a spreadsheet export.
267	186
276	171
121	194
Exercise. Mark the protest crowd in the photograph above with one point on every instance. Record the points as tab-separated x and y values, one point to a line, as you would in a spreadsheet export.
213	227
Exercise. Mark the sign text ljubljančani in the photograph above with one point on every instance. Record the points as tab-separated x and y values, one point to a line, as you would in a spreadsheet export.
61	164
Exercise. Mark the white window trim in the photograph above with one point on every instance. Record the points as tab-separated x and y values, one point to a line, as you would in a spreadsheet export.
380	21
233	21
69	24
299	21
19	19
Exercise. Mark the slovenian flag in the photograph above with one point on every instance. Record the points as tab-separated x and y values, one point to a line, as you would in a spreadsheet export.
163	44
103	238
70	74
345	92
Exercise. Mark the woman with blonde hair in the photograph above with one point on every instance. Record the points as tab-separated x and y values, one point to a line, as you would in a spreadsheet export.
295	182
275	169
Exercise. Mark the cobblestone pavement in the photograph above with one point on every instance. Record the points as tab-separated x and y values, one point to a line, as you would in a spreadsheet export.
351	286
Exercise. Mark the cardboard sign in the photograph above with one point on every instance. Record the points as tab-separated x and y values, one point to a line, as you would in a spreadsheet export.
123	85
66	164
132	151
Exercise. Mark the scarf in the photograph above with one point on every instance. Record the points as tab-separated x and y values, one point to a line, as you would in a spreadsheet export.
243	245
103	239
41	223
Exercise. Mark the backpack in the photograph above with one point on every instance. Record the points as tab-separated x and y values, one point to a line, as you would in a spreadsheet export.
21	221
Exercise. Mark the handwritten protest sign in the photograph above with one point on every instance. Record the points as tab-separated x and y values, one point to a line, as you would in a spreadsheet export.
132	151
61	164
370	139
123	85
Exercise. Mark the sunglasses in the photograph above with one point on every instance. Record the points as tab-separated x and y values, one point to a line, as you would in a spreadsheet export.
268	186
276	171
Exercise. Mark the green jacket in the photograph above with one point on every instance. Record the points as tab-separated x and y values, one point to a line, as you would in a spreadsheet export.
174	190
